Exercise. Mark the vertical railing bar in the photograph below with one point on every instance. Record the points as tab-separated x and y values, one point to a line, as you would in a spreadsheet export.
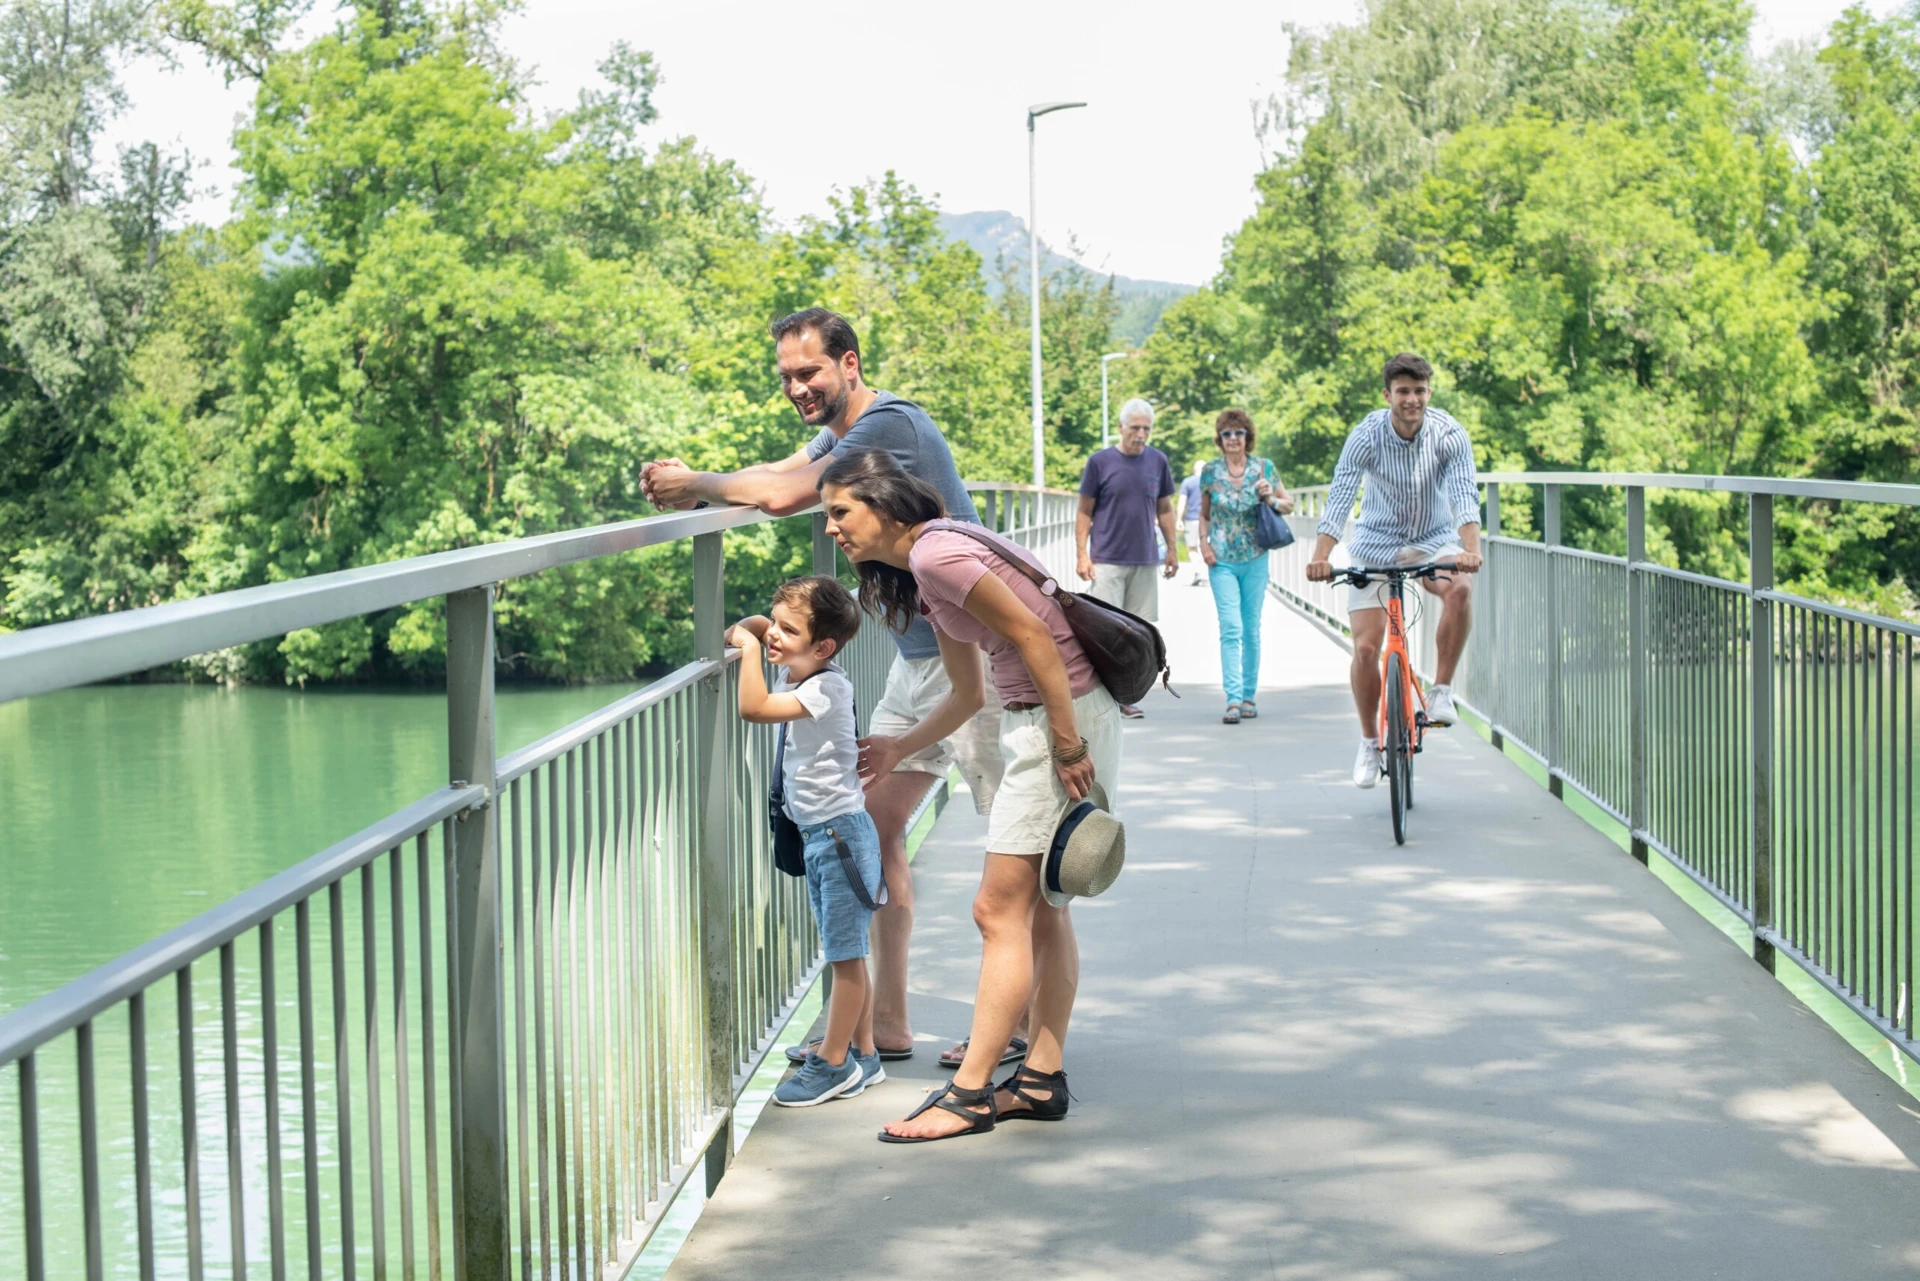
143	1133
450	928
230	1056
270	1090
402	1051
309	1090
189	1120
595	775
512	815
540	901
34	1230
562	978
1906	789
633	977
370	1023
429	1105
89	1152
342	1073
583	1249
1760	724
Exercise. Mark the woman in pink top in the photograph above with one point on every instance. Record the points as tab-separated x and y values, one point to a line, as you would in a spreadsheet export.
1060	731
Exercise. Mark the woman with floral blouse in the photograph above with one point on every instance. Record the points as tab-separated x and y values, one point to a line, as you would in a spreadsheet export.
1231	486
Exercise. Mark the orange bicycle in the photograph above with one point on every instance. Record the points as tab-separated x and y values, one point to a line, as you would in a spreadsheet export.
1403	709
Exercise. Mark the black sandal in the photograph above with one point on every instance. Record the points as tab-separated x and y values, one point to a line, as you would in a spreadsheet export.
962	1103
1051	1108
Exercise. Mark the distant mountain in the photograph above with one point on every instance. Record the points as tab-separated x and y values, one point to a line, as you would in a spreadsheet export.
997	235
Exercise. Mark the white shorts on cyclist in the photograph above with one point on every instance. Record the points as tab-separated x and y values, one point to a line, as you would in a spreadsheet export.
1374	595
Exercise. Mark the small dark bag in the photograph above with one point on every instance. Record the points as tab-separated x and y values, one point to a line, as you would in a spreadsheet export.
1270	529
1126	650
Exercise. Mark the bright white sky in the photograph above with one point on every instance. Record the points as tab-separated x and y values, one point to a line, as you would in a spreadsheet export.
1149	178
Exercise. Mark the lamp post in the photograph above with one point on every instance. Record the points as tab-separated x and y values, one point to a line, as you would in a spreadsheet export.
1104	419
1033	250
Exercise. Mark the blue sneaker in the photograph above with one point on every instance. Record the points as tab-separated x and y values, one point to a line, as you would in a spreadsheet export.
817	1081
871	1073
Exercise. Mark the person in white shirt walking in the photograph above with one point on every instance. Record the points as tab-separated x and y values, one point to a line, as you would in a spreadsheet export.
1419	504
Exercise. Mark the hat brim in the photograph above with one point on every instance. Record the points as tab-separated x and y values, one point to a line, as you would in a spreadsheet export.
1092	810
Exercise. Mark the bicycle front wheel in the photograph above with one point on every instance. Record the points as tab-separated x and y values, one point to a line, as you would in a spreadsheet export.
1399	749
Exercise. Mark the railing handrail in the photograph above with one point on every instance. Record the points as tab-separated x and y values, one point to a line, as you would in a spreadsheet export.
40	660
68	1006
1856	491
59	656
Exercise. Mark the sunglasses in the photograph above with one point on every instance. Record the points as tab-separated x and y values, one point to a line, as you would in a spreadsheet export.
1233	433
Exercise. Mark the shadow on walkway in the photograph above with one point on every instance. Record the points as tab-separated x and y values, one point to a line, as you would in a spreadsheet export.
1302	1052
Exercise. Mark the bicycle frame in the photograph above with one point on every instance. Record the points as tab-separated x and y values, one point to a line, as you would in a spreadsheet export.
1396	643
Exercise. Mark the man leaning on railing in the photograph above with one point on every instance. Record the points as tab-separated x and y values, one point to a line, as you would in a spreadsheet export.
818	357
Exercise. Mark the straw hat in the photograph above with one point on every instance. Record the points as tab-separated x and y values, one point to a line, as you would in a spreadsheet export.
1089	848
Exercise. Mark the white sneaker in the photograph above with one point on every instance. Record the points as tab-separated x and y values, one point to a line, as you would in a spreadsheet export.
1440	706
1366	765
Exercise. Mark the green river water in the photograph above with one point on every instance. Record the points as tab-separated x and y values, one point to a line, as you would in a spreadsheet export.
127	810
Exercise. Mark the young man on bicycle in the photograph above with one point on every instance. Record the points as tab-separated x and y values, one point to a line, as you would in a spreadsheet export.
1419	504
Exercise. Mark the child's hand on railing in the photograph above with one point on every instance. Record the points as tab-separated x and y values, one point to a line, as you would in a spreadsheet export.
747	633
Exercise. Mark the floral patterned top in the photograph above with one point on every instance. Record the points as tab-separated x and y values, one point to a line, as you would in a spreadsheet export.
1230	519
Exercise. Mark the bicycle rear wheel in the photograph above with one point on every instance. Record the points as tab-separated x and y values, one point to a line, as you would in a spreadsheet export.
1398	749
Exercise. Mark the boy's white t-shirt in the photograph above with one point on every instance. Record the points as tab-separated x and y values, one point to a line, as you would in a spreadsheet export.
822	764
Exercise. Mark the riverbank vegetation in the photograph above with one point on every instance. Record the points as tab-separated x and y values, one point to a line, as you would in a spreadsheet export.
1627	242
436	318
433	320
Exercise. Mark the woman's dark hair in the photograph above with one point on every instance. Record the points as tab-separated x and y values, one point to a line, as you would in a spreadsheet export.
1234	418
876	478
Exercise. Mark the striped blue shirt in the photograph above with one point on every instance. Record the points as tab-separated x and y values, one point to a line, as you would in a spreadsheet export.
1418	492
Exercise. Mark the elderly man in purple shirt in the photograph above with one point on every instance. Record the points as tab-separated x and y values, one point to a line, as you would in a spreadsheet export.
1126	490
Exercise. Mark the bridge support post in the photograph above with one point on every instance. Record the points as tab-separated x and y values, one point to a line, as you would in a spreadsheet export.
715	852
1555	646
1636	674
1487	700
479	1067
993	510
1760	721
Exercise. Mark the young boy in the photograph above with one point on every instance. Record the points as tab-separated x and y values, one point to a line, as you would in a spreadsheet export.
812	618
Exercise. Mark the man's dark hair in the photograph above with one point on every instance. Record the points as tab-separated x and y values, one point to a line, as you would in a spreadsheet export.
1405	365
836	335
832	613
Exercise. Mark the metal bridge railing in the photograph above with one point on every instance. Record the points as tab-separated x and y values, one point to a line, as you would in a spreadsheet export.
491	1035
1763	743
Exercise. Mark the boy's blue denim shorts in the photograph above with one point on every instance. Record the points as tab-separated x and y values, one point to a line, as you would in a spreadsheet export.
843	920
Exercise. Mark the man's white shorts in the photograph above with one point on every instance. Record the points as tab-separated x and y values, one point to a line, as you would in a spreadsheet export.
1134	588
1374	595
915	687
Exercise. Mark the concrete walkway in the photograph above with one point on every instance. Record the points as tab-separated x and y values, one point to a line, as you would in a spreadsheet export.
1504	1049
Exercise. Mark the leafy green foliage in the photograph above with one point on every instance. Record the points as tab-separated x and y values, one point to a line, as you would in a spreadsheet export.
434	321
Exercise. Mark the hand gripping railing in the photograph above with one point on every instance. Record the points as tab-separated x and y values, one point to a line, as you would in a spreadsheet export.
518	1022
1762	742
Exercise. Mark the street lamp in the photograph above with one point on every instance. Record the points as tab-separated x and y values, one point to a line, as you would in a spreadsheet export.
1104	420
1033	249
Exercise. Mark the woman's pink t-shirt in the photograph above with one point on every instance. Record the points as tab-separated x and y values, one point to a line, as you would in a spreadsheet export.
945	567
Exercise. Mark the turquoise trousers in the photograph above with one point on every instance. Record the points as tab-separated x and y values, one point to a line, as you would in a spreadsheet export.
1239	594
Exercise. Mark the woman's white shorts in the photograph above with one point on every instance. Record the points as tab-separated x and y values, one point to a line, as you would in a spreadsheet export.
1032	799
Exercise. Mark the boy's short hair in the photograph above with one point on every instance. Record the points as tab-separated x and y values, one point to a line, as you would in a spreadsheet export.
1405	365
832	613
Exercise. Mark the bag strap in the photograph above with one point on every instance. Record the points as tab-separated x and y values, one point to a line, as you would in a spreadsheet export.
1047	585
853	874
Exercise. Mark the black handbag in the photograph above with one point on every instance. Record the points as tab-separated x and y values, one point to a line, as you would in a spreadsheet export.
1270	529
790	848
1127	652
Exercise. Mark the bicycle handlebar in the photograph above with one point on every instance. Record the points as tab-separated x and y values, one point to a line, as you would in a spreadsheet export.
1361	575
